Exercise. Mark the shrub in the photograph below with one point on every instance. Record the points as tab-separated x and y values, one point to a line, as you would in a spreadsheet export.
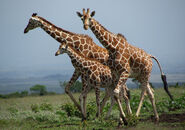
35	108
46	107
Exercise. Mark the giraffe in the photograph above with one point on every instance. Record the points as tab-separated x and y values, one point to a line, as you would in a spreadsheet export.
82	43
125	60
95	73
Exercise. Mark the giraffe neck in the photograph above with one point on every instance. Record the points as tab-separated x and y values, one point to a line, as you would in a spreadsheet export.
77	59
108	39
57	33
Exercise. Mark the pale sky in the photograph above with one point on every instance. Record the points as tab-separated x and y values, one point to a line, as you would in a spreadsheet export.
157	26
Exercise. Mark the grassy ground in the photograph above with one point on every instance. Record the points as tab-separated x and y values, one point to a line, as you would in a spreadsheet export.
45	112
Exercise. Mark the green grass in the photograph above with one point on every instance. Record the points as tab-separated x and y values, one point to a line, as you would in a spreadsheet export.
49	112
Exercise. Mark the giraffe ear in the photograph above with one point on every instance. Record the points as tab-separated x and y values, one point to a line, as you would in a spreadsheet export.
34	14
93	13
79	14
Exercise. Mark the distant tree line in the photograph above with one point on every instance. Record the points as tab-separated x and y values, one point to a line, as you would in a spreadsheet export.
35	90
76	87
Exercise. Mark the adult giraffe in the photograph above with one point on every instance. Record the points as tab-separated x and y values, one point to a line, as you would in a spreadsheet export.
125	60
82	43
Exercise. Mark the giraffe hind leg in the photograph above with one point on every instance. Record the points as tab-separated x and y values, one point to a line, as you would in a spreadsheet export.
152	99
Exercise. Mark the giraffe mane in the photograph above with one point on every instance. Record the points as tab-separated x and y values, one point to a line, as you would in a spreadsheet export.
102	26
121	36
71	33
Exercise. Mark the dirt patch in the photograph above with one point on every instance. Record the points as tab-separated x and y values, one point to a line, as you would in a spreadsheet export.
169	118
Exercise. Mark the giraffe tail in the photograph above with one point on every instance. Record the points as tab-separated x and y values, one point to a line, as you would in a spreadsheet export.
163	77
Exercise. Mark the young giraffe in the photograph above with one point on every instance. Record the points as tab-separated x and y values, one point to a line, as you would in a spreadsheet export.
82	43
95	74
124	60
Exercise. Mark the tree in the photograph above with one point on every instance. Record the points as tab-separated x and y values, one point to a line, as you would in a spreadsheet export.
76	87
41	89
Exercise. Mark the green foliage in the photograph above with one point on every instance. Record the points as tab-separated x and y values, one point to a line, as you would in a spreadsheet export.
132	120
13	110
165	105
72	111
35	108
41	89
76	87
168	105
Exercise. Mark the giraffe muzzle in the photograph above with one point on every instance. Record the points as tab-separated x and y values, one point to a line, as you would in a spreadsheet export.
25	30
86	27
56	54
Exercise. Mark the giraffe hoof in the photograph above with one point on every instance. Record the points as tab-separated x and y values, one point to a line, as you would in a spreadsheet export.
156	119
120	124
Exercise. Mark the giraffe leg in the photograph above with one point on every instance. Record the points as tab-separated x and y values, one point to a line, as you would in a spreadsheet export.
82	100
152	99
97	90
110	109
106	97
143	88
123	77
127	101
127	92
67	88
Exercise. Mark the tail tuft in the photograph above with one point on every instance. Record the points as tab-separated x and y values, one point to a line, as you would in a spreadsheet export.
163	77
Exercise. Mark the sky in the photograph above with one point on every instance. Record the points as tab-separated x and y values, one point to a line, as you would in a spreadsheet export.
157	26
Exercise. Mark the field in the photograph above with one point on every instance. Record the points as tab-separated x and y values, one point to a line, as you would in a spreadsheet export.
57	112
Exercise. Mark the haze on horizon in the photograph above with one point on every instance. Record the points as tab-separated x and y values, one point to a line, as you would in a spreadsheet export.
156	26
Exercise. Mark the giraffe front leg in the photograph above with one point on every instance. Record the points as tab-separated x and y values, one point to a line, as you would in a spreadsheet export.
123	78
75	76
112	104
82	98
106	97
126	97
97	90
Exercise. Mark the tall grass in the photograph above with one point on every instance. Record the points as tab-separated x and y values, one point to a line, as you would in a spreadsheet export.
58	111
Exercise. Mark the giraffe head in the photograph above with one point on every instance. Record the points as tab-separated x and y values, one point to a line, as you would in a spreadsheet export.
62	49
33	23
86	17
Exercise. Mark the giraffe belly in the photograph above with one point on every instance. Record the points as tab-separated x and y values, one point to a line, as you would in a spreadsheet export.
133	74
